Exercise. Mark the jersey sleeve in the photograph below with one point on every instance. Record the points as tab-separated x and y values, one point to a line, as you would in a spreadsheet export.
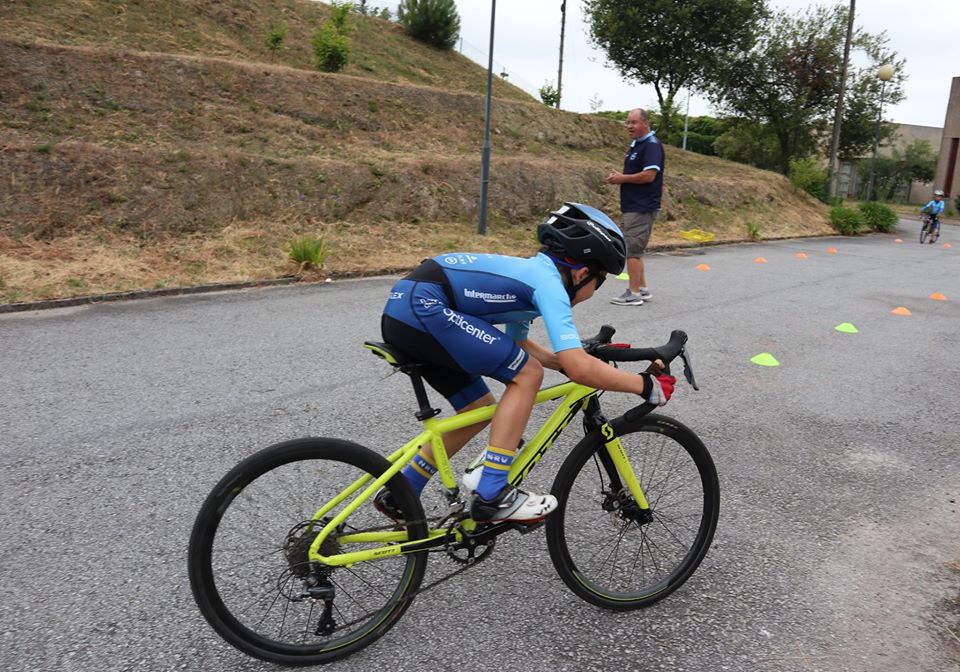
554	306
652	157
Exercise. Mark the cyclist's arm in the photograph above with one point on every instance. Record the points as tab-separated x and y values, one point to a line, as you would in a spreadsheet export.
586	370
541	354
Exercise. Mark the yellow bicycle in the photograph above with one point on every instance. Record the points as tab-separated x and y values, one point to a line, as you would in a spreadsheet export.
290	562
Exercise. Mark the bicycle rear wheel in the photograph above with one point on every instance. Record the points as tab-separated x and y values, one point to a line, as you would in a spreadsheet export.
248	556
603	546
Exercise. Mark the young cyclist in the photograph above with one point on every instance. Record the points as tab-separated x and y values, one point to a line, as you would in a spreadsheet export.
443	314
934	208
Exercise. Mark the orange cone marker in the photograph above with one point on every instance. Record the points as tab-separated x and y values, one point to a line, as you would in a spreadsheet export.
898	240
937	296
800	255
760	260
703	267
900	310
831	250
947	245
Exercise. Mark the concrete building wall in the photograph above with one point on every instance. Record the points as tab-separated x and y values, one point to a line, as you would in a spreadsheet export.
849	181
948	170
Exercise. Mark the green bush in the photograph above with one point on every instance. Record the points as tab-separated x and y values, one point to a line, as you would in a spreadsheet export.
331	50
878	216
847	221
309	251
549	95
331	44
435	22
276	36
809	176
956	202
753	230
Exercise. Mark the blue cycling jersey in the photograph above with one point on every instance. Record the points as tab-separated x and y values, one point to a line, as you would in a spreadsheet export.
933	207
504	290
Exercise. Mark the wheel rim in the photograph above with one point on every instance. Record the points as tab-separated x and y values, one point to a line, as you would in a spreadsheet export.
254	565
612	553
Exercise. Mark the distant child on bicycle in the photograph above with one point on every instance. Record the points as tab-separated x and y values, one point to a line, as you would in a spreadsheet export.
443	314
934	209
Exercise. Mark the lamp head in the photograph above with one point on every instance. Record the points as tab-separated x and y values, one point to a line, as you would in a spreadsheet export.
885	73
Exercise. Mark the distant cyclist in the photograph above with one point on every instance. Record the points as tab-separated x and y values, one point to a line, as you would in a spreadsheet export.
933	210
443	314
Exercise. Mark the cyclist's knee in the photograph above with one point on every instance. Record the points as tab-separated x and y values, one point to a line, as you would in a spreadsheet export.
531	375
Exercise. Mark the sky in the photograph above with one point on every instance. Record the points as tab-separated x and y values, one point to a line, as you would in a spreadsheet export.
527	48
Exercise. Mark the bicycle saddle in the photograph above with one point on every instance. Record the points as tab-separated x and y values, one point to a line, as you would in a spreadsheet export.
389	353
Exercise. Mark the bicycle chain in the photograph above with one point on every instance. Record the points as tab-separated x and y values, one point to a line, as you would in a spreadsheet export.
466	564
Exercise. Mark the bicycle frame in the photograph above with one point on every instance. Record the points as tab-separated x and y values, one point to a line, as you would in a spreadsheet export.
575	397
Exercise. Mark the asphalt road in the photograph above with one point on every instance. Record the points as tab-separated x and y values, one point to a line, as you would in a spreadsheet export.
840	470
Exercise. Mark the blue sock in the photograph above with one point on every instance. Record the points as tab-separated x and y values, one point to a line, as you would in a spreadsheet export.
496	468
419	472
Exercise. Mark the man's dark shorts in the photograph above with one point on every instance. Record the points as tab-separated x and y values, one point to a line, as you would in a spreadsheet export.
637	227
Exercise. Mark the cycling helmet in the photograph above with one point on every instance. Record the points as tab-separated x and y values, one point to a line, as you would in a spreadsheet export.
584	234
938	192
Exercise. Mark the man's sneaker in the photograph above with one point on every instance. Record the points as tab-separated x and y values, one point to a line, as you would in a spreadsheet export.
628	298
514	505
645	294
384	502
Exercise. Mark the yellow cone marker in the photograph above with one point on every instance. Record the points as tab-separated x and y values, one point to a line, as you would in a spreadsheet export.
898	240
623	276
847	328
703	267
765	359
760	260
937	296
900	310
831	250
800	255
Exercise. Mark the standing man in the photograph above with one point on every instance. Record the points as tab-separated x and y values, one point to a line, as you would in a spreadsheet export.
641	186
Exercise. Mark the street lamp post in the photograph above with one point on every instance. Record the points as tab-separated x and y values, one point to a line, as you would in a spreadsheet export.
885	74
485	159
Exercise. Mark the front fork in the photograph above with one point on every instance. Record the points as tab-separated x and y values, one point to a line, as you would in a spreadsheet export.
614	457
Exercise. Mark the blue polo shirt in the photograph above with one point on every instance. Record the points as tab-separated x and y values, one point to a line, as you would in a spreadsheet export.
644	154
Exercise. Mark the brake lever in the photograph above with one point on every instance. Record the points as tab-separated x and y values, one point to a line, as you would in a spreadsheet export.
688	368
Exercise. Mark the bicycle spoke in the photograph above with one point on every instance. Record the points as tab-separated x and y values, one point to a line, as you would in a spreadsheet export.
637	560
255	582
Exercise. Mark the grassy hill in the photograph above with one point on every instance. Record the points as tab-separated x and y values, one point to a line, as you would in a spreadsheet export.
151	144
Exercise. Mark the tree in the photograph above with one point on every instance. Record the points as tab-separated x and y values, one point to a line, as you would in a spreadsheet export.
549	95
331	44
435	22
669	44
276	36
789	82
915	161
863	96
749	142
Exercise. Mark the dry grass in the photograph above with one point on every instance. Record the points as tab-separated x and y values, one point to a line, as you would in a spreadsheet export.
124	168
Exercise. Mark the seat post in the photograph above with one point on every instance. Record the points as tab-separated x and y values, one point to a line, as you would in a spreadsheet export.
426	410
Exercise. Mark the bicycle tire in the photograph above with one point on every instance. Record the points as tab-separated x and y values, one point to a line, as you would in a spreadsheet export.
597	560
924	231
242	568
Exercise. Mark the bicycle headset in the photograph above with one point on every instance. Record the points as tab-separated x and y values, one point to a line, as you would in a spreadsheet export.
578	235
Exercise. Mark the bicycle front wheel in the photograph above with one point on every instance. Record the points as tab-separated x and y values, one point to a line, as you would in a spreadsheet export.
924	232
248	562
604	547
